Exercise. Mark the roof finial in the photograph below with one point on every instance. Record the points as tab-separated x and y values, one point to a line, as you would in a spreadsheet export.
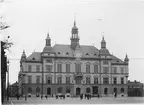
74	19
48	36
103	35
23	51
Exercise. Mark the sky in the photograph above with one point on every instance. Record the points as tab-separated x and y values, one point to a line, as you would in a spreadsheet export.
121	23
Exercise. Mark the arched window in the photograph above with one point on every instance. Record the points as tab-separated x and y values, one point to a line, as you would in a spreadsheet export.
29	90
68	90
88	90
37	90
122	90
106	90
59	90
115	90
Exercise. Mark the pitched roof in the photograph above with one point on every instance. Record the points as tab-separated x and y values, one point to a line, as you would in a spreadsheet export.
116	59
14	84
35	56
61	49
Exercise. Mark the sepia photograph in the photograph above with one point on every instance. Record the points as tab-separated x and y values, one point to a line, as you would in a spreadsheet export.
71	52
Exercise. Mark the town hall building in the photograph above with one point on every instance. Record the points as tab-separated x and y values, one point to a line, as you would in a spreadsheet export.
73	69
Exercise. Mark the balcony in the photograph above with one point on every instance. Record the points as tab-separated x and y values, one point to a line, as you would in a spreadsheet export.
78	75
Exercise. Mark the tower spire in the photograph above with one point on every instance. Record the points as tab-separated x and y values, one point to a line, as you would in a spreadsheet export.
103	43
74	37
48	40
74	19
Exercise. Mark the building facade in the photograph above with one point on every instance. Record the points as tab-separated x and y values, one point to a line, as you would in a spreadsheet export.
73	69
13	90
135	89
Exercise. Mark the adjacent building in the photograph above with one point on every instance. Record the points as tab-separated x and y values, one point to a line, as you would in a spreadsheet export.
13	90
135	89
73	69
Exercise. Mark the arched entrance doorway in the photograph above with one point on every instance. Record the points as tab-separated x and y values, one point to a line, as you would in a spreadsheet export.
95	90
122	90
37	90
115	90
106	90
48	91
78	90
88	90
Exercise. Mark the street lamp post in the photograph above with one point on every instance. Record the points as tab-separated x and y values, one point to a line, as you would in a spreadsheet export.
24	86
8	80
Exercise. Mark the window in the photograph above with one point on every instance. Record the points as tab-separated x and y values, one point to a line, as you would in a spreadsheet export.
95	68
115	80
115	90
114	70
95	80
29	79
105	90
37	68
37	79
59	68
87	54
122	90
105	62
67	53
59	80
59	90
48	68
37	90
87	80
67	80
87	68
95	54
67	89
88	90
122	70
67	68
105	70
105	80
122	80
77	68
78	81
29	68
48	79
48	61
29	90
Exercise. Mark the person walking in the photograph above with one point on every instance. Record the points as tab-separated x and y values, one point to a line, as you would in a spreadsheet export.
25	97
82	95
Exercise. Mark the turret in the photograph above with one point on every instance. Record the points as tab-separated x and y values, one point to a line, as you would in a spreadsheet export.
48	40
103	50
48	47
74	38
103	43
23	57
126	59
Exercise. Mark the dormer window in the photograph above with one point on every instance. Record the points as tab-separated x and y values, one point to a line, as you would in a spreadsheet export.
95	54
87	54
58	52
67	53
117	61
33	58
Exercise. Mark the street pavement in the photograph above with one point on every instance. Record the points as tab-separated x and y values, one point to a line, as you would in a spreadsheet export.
95	100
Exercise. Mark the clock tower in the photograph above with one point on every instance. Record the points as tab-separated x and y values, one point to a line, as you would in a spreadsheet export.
74	38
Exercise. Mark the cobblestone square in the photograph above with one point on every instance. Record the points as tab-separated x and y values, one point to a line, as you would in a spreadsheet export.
103	100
